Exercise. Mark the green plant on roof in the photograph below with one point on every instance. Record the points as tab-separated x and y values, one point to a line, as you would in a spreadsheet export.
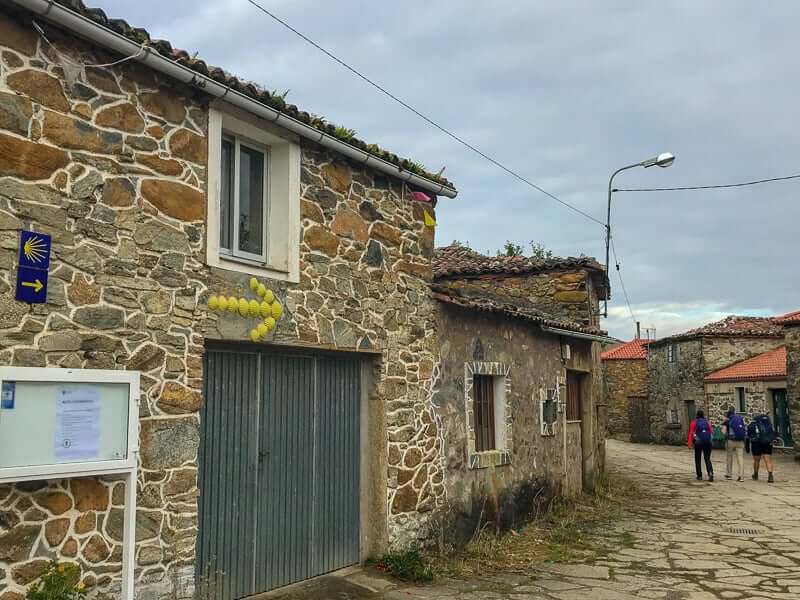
282	96
344	134
414	167
318	122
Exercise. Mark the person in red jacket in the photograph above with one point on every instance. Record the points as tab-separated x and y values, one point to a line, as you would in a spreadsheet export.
700	432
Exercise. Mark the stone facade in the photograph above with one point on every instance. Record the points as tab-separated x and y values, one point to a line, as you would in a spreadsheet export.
622	379
677	387
792	340
530	363
112	162
758	399
567	294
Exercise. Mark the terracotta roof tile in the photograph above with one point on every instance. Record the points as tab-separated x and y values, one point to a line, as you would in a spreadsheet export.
253	90
517	310
460	261
732	326
792	318
770	365
633	350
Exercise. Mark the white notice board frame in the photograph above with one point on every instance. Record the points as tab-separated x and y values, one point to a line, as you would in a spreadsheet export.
125	466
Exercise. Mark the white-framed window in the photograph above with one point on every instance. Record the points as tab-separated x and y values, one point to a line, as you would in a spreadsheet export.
487	397
253	196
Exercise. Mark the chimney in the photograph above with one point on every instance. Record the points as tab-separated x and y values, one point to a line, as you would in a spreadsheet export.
638	330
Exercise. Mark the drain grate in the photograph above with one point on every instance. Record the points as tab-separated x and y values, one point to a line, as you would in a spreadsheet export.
743	530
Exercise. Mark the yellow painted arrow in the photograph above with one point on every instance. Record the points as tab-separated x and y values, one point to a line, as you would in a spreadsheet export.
35	284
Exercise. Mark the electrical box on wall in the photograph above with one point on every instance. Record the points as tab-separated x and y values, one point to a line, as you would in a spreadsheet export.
67	422
566	351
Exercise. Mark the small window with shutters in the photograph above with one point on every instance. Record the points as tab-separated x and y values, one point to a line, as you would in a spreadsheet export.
484	413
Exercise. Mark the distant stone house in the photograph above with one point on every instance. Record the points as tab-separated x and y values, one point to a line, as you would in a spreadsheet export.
625	383
791	328
679	364
750	387
173	190
518	341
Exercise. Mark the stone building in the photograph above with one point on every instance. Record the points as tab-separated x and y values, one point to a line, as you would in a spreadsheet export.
751	387
791	330
262	270
625	384
518	396
678	365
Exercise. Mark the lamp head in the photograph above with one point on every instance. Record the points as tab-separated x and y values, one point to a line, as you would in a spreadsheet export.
663	160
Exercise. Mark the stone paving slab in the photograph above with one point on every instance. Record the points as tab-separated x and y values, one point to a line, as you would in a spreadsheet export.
684	549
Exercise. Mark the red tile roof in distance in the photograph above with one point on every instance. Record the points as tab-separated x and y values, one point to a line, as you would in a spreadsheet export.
633	350
770	365
792	318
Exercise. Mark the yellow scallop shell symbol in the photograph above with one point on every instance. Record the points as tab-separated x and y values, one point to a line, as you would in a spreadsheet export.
253	283
269	296
254	308
222	303
277	310
244	306
233	304
269	323
254	335
213	303
262	289
262	329
265	309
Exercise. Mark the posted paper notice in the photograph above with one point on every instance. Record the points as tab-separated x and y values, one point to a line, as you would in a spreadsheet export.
77	424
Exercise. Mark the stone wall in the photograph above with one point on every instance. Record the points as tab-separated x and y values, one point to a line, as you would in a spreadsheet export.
112	164
622	379
671	385
792	340
364	286
758	399
533	362
719	353
566	294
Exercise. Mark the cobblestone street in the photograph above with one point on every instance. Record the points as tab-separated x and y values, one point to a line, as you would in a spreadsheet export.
693	541
686	545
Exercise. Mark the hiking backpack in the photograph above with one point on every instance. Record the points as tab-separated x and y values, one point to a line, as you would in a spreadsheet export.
702	432
736	429
764	430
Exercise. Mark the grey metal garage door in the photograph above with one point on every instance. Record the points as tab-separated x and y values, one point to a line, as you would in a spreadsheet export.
279	470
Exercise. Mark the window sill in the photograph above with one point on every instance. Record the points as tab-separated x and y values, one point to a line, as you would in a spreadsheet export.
578	421
490	458
250	267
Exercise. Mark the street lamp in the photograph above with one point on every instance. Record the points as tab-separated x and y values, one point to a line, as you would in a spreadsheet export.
663	160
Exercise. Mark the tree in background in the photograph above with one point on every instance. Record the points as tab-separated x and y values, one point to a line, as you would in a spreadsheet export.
538	251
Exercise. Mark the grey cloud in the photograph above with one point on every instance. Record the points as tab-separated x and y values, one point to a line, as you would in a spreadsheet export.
564	93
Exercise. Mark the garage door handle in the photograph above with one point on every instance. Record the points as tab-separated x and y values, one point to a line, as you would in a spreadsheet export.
262	454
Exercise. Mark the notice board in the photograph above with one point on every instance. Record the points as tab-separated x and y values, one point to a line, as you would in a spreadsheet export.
67	421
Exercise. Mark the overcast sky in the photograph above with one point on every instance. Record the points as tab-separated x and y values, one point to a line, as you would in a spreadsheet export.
564	93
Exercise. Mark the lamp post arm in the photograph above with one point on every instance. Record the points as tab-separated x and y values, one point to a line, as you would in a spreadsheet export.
608	226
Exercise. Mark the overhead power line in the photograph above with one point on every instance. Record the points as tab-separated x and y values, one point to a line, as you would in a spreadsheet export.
622	283
425	118
707	187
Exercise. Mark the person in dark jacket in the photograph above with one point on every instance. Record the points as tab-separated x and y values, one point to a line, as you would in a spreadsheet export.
700	433
760	435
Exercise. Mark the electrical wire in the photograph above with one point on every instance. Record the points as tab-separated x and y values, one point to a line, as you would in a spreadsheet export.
707	187
622	283
428	120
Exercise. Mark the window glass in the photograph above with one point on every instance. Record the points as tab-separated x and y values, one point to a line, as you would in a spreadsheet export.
251	200
226	208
